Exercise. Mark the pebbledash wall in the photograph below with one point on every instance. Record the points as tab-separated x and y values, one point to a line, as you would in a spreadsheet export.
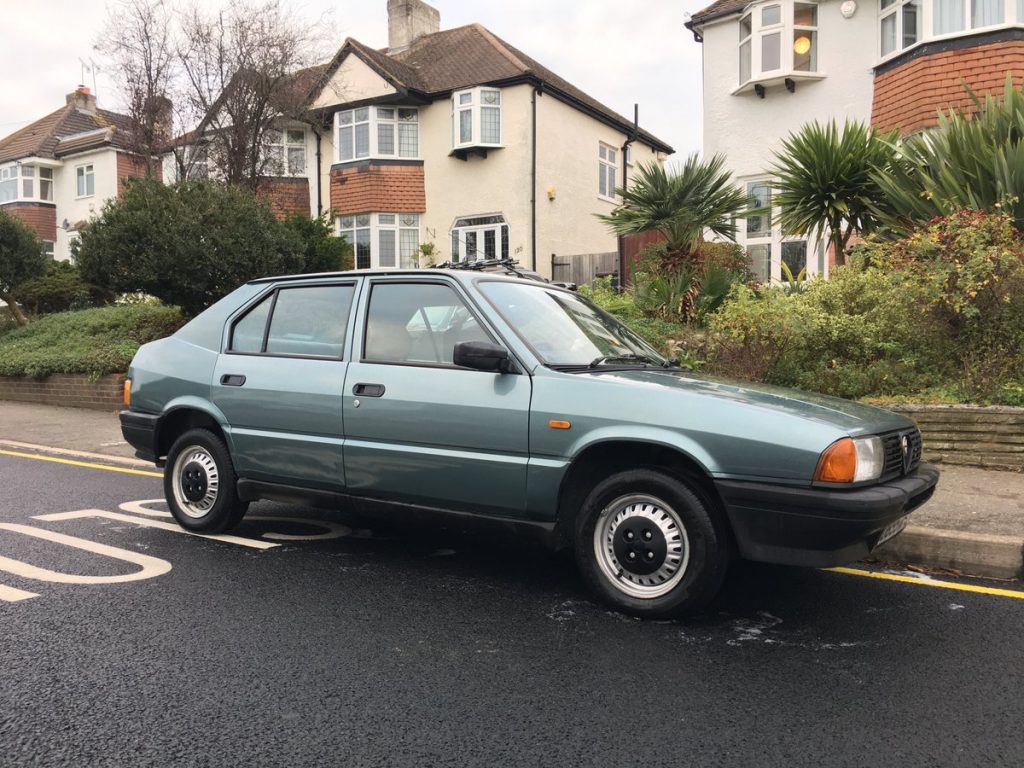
65	389
970	435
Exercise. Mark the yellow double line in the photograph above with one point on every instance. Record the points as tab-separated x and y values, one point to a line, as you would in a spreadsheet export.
74	463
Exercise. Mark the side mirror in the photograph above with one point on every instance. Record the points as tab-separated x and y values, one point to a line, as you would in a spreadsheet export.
481	356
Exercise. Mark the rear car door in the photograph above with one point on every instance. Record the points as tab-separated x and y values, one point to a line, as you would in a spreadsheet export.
279	383
420	429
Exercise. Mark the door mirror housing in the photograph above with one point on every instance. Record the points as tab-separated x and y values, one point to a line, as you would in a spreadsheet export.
482	356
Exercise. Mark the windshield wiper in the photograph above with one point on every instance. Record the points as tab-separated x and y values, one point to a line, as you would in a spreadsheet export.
627	357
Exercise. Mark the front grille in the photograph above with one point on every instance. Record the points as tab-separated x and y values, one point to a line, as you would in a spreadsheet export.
892	446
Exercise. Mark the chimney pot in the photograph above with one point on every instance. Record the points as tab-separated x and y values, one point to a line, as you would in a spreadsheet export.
81	98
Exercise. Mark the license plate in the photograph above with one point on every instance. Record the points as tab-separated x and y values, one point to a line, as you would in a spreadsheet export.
891	530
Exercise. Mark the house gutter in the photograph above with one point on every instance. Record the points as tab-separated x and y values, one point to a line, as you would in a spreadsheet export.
319	176
623	276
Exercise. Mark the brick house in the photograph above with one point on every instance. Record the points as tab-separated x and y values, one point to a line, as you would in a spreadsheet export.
56	173
777	64
458	139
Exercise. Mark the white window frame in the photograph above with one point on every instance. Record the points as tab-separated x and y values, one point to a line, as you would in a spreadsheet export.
280	144
608	171
751	44
378	120
474	103
85	176
468	237
1013	15
772	237
27	176
375	230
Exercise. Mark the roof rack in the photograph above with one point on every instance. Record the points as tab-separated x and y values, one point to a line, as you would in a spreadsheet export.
508	266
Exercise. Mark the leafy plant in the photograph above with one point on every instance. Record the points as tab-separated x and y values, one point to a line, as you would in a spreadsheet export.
21	259
60	289
793	283
324	252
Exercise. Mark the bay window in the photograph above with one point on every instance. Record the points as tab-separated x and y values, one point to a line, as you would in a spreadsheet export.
377	132
382	240
26	182
476	118
8	183
906	23
778	39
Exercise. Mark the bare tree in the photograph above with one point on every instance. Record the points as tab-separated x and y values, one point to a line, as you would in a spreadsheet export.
139	38
241	76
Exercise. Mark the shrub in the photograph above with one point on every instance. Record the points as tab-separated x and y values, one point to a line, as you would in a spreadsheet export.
21	258
92	341
60	289
323	251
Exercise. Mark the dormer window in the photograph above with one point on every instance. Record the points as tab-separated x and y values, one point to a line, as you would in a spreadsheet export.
476	118
776	40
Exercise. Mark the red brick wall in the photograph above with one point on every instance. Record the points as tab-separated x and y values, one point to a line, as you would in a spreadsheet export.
378	187
41	218
909	96
286	195
72	390
133	167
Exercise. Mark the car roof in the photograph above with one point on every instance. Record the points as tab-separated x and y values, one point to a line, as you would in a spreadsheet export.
465	275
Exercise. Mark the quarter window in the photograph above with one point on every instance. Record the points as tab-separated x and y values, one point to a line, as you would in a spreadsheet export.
417	323
476	117
607	170
377	132
86	180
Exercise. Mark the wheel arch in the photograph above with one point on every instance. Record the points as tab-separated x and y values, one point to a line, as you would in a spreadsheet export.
189	413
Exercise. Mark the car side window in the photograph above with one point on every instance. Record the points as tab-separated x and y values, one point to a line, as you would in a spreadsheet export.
417	323
307	321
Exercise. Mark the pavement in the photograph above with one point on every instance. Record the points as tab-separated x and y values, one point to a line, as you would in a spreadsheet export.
973	525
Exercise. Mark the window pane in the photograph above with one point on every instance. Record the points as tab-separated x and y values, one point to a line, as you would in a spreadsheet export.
296	137
80	178
45	190
385	114
8	190
771	14
273	136
363	140
794	256
385	139
612	156
408	247
771	48
90	182
490	125
465	126
805	15
889	34
28	171
247	335
744	62
362	248
466	98
504	241
345	143
949	16
805	50
408	140
471	246
912	22
296	160
490	244
602	180
455	245
409	115
345	118
745	27
362	115
346	222
386	245
310	321
410	220
760	261
760	197
985	13
46	173
386	218
490	97
363	220
28	188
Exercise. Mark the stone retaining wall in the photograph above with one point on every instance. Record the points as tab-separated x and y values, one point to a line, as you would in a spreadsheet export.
71	390
970	435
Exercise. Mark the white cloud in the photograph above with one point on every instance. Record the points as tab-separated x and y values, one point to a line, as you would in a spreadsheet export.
619	53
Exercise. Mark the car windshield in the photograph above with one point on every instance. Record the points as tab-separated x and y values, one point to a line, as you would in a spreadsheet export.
566	330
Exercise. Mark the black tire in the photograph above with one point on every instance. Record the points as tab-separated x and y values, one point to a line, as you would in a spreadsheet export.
648	504
206	462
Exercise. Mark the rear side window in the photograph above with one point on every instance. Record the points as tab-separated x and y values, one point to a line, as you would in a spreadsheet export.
306	321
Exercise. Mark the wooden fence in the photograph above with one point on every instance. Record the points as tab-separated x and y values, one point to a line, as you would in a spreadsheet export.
582	268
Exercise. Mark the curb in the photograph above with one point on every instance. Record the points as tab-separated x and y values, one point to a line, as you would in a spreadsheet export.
972	554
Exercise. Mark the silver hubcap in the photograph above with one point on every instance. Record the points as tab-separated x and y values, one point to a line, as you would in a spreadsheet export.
641	546
195	481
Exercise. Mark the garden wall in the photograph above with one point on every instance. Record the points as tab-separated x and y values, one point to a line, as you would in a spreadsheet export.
970	435
71	390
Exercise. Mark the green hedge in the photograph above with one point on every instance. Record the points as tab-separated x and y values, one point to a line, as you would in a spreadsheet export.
92	341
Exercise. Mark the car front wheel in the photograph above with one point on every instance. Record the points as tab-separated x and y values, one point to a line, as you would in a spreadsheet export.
199	484
649	544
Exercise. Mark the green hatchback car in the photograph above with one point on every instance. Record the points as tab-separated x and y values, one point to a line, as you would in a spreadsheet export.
417	394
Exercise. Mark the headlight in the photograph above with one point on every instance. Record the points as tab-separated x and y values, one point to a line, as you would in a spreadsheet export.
851	460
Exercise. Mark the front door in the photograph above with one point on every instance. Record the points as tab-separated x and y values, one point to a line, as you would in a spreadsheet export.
279	383
419	429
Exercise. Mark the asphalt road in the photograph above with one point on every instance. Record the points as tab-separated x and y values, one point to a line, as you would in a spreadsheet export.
389	647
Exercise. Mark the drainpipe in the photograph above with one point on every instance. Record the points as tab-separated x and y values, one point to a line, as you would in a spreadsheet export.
623	274
319	176
533	177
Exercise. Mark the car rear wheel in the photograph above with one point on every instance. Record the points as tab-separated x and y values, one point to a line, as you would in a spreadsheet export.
649	544
199	484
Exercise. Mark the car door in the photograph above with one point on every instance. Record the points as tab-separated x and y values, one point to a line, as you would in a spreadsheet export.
420	429
279	382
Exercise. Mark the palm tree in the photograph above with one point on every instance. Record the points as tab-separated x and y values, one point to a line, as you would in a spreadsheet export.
825	180
682	205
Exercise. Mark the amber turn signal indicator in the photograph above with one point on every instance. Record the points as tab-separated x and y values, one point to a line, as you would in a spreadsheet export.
127	393
558	424
838	464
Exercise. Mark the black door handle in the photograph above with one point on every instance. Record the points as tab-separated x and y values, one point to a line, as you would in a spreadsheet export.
368	390
232	380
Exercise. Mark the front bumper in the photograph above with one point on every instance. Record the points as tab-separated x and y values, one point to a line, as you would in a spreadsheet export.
815	527
139	430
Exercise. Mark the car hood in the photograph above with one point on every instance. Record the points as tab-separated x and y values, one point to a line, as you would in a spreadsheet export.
848	415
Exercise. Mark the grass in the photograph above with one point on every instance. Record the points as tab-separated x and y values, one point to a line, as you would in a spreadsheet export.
91	341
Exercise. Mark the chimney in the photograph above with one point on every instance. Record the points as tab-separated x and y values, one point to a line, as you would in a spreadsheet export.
408	20
81	98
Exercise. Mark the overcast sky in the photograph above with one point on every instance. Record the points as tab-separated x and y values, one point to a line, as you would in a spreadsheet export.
618	52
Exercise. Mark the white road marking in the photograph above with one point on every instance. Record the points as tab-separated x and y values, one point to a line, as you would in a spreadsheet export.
149	567
150	523
12	595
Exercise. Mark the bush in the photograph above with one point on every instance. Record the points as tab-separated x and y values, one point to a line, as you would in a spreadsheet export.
21	258
92	341
188	244
60	289
323	251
